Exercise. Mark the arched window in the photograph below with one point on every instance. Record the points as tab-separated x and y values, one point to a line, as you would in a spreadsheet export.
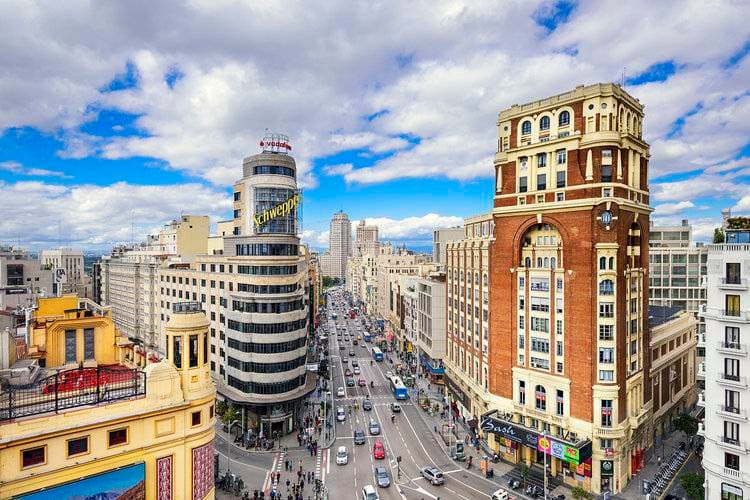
552	263
564	119
546	262
606	287
544	123
468	277
476	279
526	127
602	263
611	262
485	279
541	398
527	263
538	262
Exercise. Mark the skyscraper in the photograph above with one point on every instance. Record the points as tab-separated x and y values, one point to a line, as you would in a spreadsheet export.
569	331
340	244
366	239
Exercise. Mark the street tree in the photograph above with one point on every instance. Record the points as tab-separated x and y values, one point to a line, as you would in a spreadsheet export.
693	485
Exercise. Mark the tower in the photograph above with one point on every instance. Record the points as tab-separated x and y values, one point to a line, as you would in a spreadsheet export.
186	335
569	327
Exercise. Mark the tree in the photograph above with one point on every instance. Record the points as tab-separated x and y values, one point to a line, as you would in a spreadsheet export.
686	424
580	493
524	473
718	235
693	485
221	408
328	282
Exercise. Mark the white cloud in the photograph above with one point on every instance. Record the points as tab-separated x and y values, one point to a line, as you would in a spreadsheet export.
98	216
701	186
316	239
672	208
742	206
417	227
16	168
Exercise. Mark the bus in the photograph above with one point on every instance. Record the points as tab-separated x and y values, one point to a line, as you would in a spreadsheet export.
377	354
398	388
366	337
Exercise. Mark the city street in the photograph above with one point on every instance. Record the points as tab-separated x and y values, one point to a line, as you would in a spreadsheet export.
408	436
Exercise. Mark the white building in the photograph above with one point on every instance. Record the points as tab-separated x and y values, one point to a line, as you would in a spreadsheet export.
431	321
69	259
440	238
726	457
22	277
340	244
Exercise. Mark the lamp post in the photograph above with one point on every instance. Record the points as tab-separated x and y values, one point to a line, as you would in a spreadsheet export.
229	445
546	443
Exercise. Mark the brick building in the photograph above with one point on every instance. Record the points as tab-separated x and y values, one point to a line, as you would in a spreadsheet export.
569	329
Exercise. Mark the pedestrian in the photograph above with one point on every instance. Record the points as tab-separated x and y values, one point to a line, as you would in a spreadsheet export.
278	476
300	465
287	484
299	473
272	494
302	485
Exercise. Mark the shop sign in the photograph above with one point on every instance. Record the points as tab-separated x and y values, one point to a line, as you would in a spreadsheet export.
457	392
558	449
510	431
607	467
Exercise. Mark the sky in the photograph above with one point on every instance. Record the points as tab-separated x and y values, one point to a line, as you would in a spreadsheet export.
116	117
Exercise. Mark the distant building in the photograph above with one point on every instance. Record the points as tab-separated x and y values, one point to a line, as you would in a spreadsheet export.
69	259
431	321
186	236
726	399
440	238
340	244
366	239
92	416
22	277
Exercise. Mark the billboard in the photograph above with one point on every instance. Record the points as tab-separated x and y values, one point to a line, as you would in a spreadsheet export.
125	483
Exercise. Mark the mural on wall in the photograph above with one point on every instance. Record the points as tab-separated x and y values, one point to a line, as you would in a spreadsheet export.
126	483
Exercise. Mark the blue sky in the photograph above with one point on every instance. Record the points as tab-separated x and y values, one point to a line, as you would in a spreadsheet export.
114	120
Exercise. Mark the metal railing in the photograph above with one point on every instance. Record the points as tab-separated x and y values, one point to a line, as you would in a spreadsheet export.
70	389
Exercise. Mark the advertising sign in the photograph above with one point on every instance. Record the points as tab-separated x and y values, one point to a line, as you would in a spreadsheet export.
558	449
510	431
282	209
124	483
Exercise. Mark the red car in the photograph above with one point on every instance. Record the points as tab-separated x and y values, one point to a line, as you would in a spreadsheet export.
378	450
361	382
347	373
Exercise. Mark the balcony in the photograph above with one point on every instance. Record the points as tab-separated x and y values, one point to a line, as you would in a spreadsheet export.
731	412
732	473
732	380
733	348
610	432
731	444
701	340
733	284
728	315
701	399
701	370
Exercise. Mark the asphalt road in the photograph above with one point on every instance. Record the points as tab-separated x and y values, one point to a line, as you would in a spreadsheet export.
408	437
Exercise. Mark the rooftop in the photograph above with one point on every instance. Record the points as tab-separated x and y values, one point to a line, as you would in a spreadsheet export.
658	315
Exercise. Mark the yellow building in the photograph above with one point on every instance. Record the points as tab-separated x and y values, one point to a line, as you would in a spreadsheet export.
92	415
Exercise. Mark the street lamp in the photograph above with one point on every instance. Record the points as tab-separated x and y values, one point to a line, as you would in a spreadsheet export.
546	443
229	444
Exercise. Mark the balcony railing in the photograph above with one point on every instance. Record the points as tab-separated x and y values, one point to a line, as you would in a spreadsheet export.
702	369
70	389
732	473
733	283
732	347
732	411
701	340
701	399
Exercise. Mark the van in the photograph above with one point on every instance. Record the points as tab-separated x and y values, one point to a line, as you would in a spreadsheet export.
342	456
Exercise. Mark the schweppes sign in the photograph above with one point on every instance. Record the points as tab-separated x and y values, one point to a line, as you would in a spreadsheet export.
282	209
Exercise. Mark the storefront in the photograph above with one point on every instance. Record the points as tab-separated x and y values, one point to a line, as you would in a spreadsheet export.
516	443
459	401
434	368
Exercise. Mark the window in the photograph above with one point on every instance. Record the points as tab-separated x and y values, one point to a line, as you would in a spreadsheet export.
521	342
195	418
732	305
541	398
559	326
731	432
70	346
88	343
560	196
177	352
564	119
211	411
562	156
730	492
559	349
731	337
78	446
731	401
526	128
540	324
561	179
521	392
540	304
539	345
560	403
606	173
605	443
606	355
521	322
606	413
606	375
731	461
33	456
522	185
606	310
541	160
237	196
606	287
541	181
606	332
733	273
205	349
118	437
544	123
559	367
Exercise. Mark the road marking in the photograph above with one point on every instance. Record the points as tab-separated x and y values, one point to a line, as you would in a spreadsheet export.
457	494
328	461
423	491
452	471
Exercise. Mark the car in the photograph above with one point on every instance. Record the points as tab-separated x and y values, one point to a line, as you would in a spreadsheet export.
341	347
340	414
361	382
340	392
345	361
378	450
355	362
359	437
350	382
342	456
351	352
388	374
433	475
395	408
357	370
347	373
355	341
501	494
382	478
374	427
369	493
367	405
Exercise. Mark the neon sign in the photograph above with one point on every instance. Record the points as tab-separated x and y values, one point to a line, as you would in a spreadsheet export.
282	209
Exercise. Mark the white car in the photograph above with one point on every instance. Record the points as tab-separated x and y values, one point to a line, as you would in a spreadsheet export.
342	456
369	493
501	494
357	371
340	414
340	392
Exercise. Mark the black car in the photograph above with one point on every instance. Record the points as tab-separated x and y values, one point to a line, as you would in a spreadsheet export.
367	405
350	382
351	352
359	437
382	478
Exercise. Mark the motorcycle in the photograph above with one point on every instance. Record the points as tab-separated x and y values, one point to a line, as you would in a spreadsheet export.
514	484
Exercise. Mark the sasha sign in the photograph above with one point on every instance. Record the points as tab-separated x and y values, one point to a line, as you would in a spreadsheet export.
282	209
